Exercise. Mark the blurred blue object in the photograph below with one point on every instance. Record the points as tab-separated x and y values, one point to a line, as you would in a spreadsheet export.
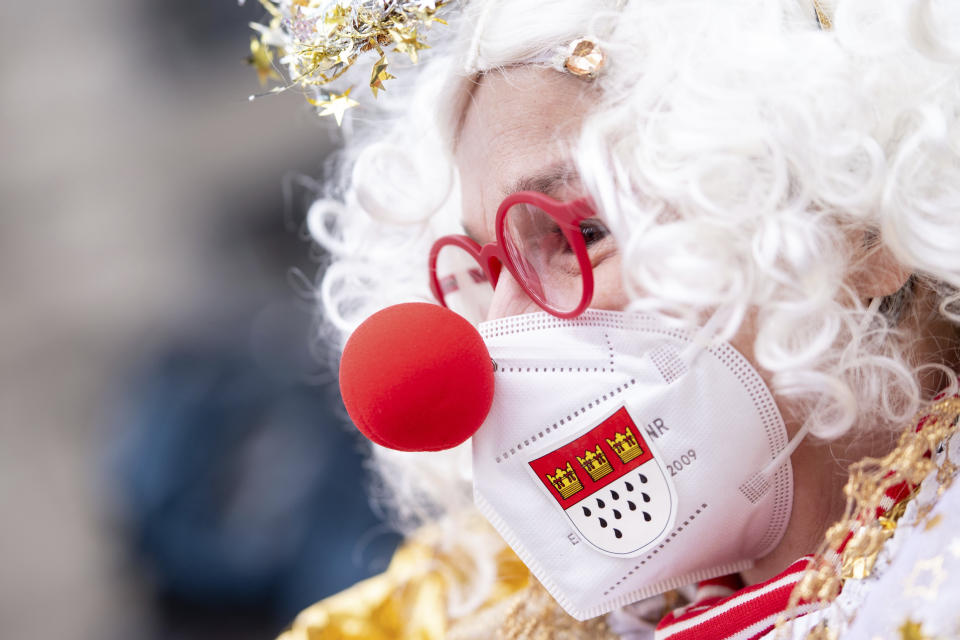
240	486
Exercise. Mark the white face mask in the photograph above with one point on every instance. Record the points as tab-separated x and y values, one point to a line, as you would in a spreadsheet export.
619	460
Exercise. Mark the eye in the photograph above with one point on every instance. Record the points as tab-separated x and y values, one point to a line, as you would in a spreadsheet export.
593	231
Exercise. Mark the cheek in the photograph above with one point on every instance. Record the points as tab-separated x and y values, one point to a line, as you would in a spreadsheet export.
608	291
509	299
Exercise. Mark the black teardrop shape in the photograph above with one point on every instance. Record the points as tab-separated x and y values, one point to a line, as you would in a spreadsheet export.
646	516
600	503
643	478
646	498
632	506
616	514
629	486
603	523
586	512
617	533
614	494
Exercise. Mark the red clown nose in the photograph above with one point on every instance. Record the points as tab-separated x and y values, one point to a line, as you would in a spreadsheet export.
416	377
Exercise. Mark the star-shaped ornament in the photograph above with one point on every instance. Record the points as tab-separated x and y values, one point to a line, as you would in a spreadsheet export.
405	41
911	630
925	579
335	19
261	59
335	105
379	75
426	16
933	522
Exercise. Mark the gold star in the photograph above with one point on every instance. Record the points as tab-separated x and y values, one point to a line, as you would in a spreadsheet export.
379	75
911	630
931	586
406	42
933	522
335	105
426	16
334	20
822	18
261	59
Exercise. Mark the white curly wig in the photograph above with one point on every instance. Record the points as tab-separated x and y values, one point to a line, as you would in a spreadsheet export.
744	157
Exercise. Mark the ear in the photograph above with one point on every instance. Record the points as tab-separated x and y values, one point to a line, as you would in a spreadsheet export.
879	273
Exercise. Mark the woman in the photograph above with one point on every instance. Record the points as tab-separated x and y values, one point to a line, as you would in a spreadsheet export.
770	185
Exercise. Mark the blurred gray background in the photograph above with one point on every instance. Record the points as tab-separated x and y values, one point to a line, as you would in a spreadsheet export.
146	212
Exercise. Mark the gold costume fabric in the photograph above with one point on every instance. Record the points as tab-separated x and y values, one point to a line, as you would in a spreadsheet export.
410	601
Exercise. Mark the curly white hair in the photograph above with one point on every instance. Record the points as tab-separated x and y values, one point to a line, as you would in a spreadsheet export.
743	156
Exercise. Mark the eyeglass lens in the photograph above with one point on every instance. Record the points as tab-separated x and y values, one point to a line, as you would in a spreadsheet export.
544	259
465	287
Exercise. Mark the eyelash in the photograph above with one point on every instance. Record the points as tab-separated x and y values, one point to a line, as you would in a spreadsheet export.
593	231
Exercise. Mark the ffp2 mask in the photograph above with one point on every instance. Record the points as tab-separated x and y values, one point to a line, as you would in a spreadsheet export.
616	468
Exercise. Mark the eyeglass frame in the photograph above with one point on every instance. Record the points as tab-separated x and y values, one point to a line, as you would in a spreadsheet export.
493	256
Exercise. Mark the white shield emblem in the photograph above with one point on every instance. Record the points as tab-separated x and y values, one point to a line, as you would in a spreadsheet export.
610	485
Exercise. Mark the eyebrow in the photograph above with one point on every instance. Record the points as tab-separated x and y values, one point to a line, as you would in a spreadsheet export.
548	180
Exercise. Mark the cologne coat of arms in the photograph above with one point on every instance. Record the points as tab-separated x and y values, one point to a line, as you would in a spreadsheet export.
610	485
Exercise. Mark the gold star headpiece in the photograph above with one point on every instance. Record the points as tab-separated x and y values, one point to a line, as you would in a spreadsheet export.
319	40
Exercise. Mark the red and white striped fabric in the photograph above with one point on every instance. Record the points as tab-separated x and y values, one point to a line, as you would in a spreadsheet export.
719	612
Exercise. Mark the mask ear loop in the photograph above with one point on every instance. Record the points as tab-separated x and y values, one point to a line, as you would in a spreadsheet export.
766	474
704	337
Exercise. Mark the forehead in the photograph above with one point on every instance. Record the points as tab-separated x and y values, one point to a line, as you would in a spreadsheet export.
517	127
